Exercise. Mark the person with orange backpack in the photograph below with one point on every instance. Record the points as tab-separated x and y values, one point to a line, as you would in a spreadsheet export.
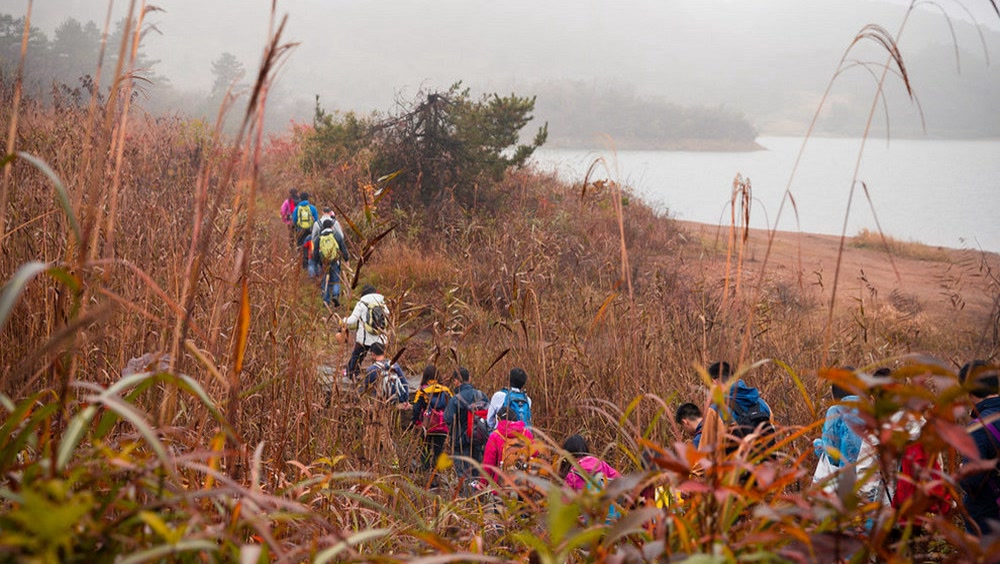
508	446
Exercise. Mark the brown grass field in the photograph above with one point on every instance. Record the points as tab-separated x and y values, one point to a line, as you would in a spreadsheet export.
127	234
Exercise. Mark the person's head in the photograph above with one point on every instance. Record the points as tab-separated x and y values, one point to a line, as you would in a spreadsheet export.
839	392
688	416
518	378
303	196
377	350
720	371
506	414
367	289
293	194
461	374
430	374
980	378
327	223
328	211
576	447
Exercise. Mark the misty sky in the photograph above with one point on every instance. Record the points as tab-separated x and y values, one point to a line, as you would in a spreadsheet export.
363	54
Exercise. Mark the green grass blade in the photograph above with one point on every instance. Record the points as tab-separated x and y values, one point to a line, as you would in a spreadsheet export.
74	433
355	539
14	287
160	553
61	191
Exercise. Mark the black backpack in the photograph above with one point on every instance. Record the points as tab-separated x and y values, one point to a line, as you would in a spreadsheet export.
376	319
472	417
755	419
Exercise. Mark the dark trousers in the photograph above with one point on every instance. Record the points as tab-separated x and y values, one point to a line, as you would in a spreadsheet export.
300	240
357	356
466	469
433	446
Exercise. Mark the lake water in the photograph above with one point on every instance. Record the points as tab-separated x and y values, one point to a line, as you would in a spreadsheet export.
943	193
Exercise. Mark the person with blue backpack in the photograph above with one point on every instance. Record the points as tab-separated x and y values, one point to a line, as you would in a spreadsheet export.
513	397
744	414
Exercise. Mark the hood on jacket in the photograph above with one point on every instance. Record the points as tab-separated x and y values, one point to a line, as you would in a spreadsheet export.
743	397
507	427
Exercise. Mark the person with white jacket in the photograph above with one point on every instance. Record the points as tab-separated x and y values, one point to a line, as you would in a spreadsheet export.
371	318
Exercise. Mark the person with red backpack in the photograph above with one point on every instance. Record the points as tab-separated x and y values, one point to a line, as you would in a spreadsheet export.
429	404
461	412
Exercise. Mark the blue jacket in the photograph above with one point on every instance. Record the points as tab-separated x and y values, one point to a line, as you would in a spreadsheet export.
312	209
742	398
841	440
980	496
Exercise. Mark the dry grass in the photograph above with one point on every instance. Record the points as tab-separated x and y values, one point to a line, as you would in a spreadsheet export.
597	296
866	239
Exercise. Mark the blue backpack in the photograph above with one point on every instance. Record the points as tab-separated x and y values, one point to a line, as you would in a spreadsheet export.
518	401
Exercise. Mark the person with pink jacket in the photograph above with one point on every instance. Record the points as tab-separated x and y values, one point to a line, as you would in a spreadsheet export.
597	471
507	425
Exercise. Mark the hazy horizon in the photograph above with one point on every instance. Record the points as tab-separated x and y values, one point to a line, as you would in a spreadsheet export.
769	59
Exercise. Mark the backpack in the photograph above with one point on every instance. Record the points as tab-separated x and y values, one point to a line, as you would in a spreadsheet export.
518	401
477	430
328	247
432	419
515	456
377	319
304	217
392	387
747	422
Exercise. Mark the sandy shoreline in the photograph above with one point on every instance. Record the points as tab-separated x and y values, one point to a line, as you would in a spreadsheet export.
955	284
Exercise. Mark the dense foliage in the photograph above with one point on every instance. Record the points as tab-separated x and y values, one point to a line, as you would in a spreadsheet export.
443	144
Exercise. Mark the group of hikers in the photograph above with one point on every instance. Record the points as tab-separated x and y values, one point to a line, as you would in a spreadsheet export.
319	239
848	449
494	433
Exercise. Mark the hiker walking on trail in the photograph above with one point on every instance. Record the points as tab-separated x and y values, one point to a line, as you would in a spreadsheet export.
745	412
287	209
461	418
371	318
429	405
317	231
328	252
385	379
305	217
508	448
514	397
